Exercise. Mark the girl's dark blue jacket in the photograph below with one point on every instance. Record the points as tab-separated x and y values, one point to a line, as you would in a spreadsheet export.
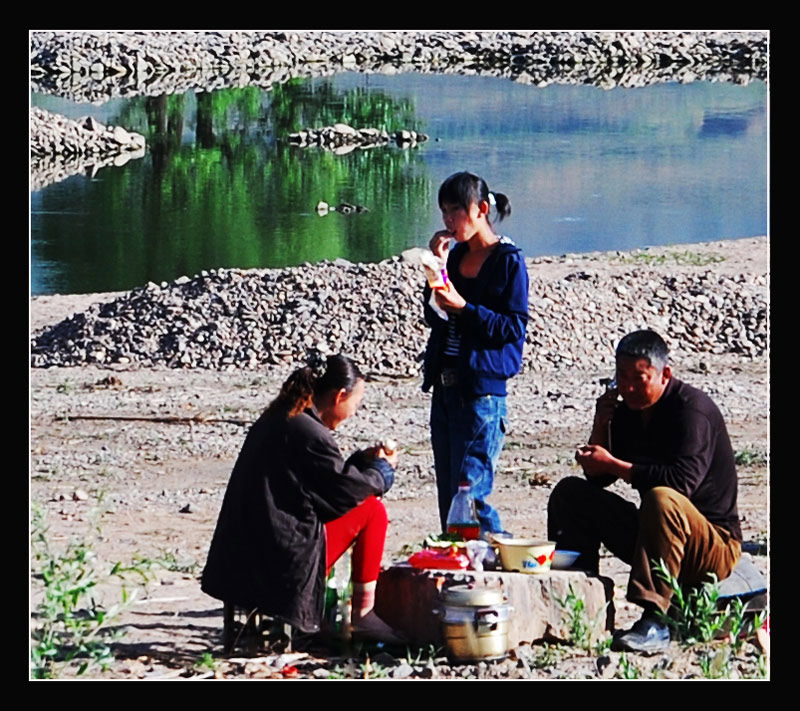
492	329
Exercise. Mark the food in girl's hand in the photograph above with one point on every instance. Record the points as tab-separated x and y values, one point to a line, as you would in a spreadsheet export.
435	271
389	446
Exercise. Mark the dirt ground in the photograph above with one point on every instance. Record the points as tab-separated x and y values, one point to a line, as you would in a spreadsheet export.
149	488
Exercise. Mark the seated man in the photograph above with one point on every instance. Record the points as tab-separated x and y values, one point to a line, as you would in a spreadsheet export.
668	441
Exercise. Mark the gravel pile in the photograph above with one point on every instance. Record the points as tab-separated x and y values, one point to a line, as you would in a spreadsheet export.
577	320
231	319
99	65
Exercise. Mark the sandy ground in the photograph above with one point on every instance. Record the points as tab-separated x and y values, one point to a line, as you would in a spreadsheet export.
154	488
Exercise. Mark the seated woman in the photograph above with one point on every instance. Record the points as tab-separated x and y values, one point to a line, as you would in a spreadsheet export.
293	506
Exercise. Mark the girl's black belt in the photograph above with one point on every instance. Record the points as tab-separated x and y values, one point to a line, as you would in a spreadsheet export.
448	377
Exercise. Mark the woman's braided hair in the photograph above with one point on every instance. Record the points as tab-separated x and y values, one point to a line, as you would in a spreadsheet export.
319	376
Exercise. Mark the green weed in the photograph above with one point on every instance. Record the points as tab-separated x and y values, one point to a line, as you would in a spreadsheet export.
547	656
684	258
750	457
694	614
423	658
71	627
582	629
254	383
738	624
627	669
763	669
716	665
603	645
206	662
696	258
365	670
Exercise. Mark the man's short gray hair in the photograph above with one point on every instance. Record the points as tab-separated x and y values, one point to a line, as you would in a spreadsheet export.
644	344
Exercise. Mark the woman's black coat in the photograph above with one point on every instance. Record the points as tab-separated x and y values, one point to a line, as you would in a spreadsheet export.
268	549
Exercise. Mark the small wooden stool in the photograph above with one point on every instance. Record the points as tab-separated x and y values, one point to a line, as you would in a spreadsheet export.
254	630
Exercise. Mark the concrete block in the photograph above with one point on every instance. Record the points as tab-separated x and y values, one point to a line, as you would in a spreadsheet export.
406	598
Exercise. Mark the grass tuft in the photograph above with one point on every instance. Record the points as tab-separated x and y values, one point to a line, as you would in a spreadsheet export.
70	629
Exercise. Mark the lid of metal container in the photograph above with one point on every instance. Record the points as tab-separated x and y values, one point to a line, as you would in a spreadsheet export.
478	597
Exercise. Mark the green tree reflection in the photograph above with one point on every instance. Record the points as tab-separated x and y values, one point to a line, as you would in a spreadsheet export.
221	188
294	107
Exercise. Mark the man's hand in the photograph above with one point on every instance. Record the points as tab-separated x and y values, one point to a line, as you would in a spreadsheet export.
596	460
603	412
449	300
440	244
604	407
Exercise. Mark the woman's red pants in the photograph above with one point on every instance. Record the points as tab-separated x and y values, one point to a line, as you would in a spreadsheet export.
366	524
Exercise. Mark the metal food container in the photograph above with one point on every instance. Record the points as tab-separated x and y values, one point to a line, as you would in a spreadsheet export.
475	622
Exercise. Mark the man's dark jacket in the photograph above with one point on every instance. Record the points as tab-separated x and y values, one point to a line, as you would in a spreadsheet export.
685	446
268	549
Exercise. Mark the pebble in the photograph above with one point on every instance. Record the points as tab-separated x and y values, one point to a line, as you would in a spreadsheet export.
403	671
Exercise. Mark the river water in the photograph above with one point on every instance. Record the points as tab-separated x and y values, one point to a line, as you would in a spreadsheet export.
585	168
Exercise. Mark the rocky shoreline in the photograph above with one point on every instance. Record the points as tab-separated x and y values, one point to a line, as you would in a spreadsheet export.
227	319
341	138
97	66
61	147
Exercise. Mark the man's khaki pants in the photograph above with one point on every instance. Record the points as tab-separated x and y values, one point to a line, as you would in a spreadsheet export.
666	527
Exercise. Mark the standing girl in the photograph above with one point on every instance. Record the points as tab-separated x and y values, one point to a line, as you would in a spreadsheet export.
470	355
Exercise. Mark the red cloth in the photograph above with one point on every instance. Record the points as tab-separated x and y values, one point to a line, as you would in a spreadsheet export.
366	524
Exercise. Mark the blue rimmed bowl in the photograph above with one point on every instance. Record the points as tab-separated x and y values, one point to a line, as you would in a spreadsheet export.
563	559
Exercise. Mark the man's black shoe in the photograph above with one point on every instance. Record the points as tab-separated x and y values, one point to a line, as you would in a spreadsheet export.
648	635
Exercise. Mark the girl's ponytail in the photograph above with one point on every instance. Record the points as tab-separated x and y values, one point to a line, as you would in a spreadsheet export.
502	204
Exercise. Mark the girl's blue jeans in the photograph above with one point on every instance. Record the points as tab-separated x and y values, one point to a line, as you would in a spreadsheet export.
467	436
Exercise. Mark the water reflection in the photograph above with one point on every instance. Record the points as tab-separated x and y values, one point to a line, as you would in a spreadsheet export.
728	124
585	169
215	193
